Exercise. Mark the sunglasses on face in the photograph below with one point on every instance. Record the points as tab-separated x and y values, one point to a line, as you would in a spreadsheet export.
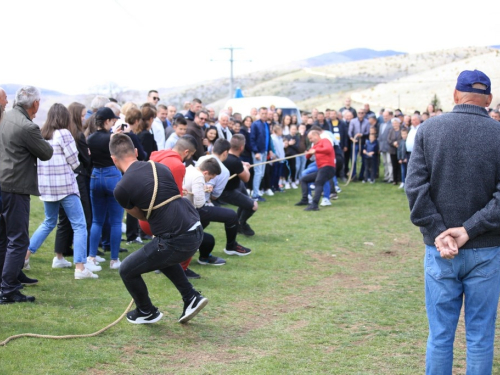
156	98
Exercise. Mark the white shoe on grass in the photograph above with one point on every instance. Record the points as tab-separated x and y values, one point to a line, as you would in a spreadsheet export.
85	274
115	264
60	263
325	202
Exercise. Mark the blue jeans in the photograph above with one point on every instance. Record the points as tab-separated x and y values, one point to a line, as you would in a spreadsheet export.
258	173
73	208
102	183
300	164
472	278
403	172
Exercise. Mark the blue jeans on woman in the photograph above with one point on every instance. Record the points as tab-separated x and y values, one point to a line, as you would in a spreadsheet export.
300	164
72	206
471	278
102	184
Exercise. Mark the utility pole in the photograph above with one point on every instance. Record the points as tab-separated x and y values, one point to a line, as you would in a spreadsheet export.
231	61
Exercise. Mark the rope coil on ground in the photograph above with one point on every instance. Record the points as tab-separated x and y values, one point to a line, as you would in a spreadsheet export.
4	343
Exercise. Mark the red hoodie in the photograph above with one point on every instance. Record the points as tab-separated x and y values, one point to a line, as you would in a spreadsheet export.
174	162
325	155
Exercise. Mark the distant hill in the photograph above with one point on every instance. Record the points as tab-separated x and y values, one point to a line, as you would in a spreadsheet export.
11	89
339	57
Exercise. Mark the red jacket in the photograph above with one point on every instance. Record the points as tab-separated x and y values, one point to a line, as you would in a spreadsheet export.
325	155
174	162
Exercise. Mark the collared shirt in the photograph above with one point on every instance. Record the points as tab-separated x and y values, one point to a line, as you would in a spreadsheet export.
171	141
410	140
158	133
56	179
219	182
355	127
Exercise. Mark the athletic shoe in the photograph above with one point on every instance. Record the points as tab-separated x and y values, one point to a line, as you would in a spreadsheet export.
259	199
338	189
85	274
302	203
261	192
99	259
239	250
60	263
334	196
245	230
14	297
269	192
26	265
372	182
363	182
138	317
294	185
193	307
212	260
402	185
309	198
191	274
311	207
325	202
25	280
136	241
124	228
287	185
312	186
114	264
92	266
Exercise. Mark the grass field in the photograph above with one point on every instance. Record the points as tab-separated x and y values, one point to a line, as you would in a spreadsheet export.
339	291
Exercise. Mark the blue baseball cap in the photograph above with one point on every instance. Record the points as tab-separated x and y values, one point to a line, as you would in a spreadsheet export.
468	78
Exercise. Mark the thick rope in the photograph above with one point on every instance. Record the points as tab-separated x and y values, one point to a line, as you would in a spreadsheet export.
155	191
352	161
3	343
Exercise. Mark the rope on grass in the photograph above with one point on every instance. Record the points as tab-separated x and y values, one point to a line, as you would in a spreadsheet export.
4	343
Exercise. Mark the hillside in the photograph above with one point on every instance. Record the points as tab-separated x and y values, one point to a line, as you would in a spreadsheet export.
406	81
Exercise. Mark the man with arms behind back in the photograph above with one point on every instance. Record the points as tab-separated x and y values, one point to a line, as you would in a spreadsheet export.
455	200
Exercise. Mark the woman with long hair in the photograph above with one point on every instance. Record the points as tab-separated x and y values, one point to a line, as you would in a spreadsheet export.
103	180
58	187
287	121
143	130
211	136
64	233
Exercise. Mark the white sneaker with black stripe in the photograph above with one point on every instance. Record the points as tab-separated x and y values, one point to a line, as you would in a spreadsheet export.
138	317
193	307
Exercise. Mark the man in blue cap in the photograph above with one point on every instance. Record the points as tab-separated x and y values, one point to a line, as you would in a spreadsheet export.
453	186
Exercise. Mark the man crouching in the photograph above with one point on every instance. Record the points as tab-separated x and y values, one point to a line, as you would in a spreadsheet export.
176	226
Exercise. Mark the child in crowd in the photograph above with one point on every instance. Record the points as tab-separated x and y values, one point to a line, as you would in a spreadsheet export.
279	147
211	136
402	156
180	128
370	152
292	144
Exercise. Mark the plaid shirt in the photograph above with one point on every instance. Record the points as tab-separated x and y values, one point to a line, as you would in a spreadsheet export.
56	178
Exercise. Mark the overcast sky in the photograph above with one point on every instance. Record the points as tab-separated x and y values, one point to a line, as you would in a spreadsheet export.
74	46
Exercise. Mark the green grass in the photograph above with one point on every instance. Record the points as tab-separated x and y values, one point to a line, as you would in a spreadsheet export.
339	291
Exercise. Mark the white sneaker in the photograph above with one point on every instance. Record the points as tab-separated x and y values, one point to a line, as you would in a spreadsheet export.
309	198
338	189
85	274
124	228
60	263
249	192
269	192
312	186
261	192
287	185
402	185
115	264
99	259
26	265
294	185
92	266
325	202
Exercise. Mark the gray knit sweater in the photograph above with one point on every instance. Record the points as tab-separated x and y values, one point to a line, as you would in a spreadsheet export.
454	176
